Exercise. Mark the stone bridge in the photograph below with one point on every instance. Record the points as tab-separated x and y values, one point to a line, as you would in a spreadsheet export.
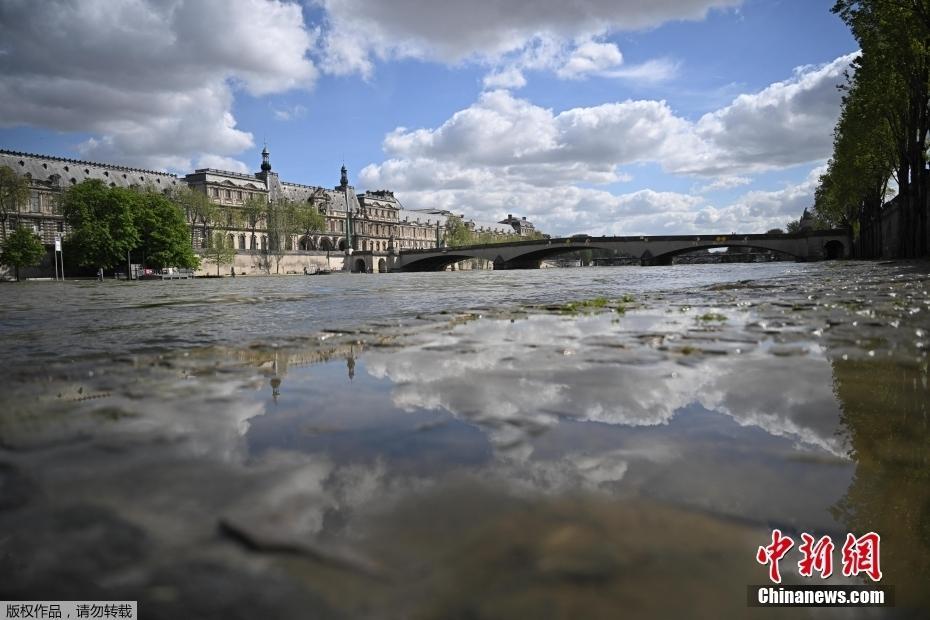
806	246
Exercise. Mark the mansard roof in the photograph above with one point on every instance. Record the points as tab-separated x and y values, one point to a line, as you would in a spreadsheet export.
382	197
239	180
301	193
493	226
44	167
431	217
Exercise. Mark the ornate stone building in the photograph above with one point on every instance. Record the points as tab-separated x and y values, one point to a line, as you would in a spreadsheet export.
520	226
372	223
48	176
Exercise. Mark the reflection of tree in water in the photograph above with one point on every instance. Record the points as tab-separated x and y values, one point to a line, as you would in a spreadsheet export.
886	411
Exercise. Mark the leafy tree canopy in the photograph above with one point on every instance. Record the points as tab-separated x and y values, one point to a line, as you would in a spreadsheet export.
102	223
220	250
22	249
163	235
197	207
309	218
14	190
109	223
883	126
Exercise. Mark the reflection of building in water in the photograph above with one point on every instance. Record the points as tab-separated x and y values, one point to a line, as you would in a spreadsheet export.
350	364
277	362
275	387
886	412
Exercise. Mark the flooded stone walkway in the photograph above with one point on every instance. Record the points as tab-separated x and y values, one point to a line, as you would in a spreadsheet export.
619	443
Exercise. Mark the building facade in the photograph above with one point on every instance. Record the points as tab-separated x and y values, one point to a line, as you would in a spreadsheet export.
520	225
372	222
49	176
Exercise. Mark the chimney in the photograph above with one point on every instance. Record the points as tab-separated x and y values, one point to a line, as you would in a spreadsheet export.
510	216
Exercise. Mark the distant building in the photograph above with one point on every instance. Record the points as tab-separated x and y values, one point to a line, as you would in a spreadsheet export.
375	216
806	223
48	176
379	223
520	225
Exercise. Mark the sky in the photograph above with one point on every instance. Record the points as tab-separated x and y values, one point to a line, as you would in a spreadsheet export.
616	117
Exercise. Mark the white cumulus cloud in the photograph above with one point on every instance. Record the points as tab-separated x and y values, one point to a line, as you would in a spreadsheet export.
361	31
505	154
152	80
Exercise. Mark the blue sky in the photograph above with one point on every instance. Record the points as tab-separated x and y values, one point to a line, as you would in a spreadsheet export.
598	116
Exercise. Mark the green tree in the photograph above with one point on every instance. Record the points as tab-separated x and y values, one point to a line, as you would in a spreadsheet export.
220	250
309	219
21	249
852	191
14	191
457	233
163	237
102	223
198	210
282	223
254	210
886	117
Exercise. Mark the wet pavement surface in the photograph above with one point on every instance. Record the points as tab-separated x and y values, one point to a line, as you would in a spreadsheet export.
583	443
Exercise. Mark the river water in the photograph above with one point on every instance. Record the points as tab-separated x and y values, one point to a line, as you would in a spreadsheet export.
554	443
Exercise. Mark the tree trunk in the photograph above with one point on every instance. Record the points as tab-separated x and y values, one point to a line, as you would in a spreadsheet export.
903	194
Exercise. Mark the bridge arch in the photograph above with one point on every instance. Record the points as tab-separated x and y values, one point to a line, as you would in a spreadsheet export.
665	258
307	244
833	249
437	262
